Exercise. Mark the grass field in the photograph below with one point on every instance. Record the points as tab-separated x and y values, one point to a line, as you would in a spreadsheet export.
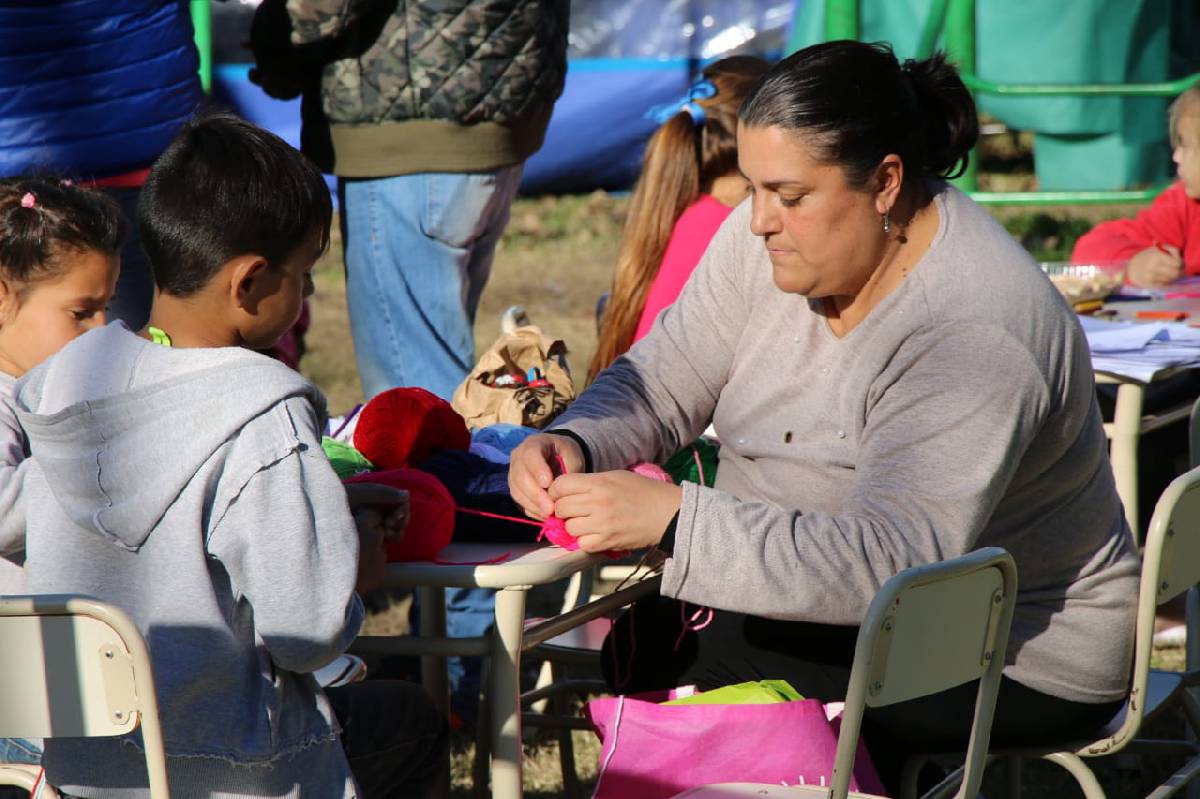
556	259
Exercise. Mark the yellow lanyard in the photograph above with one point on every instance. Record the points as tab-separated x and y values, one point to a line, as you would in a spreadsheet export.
158	336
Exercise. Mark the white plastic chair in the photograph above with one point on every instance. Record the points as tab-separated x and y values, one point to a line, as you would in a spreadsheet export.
930	628
72	666
1170	566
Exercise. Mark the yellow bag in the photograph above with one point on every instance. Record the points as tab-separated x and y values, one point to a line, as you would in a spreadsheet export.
499	389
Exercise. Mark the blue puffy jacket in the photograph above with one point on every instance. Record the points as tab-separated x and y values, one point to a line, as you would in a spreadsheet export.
93	88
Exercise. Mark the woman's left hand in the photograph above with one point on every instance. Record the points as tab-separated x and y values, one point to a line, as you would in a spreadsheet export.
615	510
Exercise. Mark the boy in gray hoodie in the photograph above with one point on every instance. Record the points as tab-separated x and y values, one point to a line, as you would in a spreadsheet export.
179	475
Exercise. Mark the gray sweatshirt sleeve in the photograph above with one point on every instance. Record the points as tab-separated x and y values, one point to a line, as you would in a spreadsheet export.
937	452
13	465
290	547
661	394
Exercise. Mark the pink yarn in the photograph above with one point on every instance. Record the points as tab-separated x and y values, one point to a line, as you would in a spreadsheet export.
554	530
651	470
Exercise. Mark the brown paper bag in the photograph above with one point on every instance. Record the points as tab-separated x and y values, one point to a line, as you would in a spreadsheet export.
481	402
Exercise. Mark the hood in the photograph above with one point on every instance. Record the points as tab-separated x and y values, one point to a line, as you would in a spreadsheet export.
120	426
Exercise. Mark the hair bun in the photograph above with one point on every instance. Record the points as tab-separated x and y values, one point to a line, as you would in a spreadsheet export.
947	113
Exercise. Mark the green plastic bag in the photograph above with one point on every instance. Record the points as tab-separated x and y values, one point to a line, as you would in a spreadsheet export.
759	692
682	465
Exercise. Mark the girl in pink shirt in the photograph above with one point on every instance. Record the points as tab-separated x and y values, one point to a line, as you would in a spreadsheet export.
688	185
1162	243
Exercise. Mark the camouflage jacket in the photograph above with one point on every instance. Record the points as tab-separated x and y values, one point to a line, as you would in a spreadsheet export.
481	76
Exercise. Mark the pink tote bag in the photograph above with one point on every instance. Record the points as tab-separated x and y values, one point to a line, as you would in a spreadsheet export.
651	750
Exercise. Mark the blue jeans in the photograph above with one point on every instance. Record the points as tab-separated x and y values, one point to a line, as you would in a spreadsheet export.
20	750
418	253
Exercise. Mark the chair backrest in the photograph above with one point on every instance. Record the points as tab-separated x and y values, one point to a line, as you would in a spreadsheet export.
931	628
1170	566
72	666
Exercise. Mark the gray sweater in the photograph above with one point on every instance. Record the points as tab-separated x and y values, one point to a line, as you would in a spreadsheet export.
12	478
959	414
189	488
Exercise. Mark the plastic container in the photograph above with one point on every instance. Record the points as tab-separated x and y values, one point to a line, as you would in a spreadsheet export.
1080	283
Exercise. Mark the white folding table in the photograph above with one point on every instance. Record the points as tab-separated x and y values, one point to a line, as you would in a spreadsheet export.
511	569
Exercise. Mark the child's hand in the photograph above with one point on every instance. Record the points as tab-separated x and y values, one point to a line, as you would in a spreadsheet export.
1155	267
381	513
372	554
392	505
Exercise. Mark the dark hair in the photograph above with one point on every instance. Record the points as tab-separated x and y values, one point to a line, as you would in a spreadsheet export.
225	188
861	104
41	218
682	160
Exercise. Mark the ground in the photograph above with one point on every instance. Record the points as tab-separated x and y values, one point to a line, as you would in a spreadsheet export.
555	260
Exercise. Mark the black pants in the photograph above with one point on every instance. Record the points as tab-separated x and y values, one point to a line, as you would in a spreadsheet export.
640	655
395	739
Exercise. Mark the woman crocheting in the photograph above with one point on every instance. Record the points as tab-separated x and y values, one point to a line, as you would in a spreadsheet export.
688	185
894	383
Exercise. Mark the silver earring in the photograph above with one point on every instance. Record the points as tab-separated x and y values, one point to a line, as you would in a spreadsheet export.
887	224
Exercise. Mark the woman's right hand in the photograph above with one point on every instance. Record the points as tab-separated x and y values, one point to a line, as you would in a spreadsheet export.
533	467
1153	268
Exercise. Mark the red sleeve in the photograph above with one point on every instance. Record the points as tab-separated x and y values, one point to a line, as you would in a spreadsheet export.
1166	221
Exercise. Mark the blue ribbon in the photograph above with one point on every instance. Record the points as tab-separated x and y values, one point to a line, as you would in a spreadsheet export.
700	90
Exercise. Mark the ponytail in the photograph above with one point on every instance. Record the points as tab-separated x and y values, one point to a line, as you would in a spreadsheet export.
668	184
683	158
951	126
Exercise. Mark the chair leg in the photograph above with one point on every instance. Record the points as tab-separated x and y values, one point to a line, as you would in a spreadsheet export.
433	668
545	677
1192	647
481	765
561	705
1191	710
1079	770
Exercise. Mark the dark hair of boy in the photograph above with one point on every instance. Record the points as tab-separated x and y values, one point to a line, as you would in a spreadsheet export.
42	217
225	188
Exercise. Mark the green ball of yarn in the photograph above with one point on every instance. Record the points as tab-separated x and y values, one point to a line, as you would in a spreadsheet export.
345	459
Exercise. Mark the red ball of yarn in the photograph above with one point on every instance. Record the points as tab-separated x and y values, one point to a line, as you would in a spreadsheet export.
431	522
404	426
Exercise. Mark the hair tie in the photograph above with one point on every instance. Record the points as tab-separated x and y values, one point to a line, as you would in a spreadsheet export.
700	90
28	200
696	113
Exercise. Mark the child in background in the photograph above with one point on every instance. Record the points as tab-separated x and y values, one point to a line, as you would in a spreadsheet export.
59	248
1162	243
179	475
688	185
